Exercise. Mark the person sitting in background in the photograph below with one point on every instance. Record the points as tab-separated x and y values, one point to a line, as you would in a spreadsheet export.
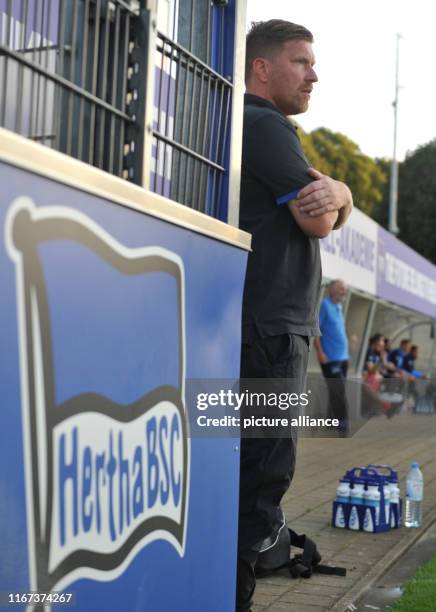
377	399
397	355
374	366
372	377
389	368
409	363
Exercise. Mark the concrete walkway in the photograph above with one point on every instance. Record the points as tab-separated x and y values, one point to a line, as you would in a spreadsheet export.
308	505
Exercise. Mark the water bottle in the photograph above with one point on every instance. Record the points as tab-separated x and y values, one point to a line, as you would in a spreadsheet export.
414	496
371	500
356	500
387	500
395	504
342	497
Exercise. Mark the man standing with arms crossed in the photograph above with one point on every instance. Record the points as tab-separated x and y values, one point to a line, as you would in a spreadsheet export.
286	206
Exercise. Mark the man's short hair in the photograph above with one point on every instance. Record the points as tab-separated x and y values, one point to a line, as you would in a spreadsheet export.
266	38
375	338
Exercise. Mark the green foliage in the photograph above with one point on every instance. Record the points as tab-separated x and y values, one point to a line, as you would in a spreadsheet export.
334	154
417	200
381	212
419	593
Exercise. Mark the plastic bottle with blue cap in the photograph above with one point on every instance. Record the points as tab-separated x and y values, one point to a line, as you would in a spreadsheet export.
356	501
372	497
342	497
414	497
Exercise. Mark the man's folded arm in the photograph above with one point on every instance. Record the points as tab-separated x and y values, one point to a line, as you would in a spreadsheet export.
314	227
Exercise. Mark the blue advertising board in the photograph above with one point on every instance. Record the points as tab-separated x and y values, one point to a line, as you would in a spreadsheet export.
106	312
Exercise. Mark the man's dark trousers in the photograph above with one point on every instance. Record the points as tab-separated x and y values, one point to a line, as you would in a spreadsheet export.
335	374
267	464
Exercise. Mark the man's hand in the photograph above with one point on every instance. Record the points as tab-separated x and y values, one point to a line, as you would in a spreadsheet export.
325	195
322	358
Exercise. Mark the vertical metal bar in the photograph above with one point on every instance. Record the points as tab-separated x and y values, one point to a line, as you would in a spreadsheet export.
224	131
94	80
191	117
211	143
156	140
175	11
222	40
148	22
156	164
58	89
114	89
103	92
216	128
196	144
203	177
46	66
209	25
212	204
6	60
62	22
71	97
21	70
191	33
32	86
167	111
218	125
190	160
38	78
191	122
182	129
175	152
212	119
161	80
165	163
123	86
223	150
83	74
237	112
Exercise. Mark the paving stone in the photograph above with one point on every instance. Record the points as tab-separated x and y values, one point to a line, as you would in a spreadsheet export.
288	607
319	589
304	599
270	589
265	600
308	504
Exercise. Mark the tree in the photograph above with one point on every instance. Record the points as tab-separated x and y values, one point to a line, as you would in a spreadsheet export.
336	155
417	200
381	212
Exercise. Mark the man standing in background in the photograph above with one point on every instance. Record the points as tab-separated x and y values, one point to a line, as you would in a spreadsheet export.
286	205
332	351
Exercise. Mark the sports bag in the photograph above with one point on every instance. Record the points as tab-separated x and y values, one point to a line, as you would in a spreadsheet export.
275	554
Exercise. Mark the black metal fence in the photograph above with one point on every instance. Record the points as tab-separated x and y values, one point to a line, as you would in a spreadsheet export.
73	77
191	129
190	132
64	70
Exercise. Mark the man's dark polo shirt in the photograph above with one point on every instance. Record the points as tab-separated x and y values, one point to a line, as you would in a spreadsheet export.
284	269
